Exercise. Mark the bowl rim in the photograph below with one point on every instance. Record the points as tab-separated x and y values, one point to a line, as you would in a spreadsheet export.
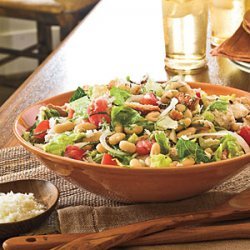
145	170
39	215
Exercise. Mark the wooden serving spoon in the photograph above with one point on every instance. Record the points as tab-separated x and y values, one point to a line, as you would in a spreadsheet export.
236	208
239	230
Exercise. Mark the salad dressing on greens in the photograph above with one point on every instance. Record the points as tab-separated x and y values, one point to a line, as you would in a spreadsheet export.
144	124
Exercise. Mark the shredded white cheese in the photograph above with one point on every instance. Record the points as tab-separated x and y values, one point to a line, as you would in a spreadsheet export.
17	207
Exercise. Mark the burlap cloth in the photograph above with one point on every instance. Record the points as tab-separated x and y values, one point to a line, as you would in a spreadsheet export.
81	211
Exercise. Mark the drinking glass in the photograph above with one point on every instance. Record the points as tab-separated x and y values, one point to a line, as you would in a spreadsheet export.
185	32
226	16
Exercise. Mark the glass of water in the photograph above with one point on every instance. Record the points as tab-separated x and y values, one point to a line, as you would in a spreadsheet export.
185	33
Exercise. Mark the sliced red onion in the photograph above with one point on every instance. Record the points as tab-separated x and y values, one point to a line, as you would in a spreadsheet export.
107	147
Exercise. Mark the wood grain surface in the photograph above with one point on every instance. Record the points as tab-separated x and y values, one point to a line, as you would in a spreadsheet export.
117	39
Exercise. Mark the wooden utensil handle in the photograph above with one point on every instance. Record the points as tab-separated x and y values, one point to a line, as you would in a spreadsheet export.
177	235
117	236
39	242
194	234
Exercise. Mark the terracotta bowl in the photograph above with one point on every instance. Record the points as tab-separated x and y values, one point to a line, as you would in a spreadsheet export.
137	184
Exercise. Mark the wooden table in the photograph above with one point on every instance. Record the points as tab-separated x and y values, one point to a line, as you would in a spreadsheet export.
117	39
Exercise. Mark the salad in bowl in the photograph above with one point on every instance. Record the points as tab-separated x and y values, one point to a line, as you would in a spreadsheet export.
144	124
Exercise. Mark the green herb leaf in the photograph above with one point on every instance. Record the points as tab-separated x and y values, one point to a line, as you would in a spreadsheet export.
163	141
190	148
120	95
77	94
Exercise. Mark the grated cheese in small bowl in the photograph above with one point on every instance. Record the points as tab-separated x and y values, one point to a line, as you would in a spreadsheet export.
17	207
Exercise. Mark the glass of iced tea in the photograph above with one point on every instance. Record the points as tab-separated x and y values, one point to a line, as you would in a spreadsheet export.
185	33
226	16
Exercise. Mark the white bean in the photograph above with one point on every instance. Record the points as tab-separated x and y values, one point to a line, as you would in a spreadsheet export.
136	163
127	147
116	138
155	149
63	127
188	131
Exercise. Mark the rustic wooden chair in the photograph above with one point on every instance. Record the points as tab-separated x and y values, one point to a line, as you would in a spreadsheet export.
63	13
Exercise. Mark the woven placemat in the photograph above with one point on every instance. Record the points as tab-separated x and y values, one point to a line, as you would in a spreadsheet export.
16	163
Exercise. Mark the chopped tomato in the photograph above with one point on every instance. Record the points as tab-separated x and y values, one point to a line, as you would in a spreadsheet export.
108	160
97	119
149	98
198	94
41	130
74	152
71	113
143	147
97	111
245	133
97	106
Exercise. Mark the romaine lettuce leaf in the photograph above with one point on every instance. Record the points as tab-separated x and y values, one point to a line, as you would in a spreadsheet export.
208	116
146	124
77	94
220	105
46	113
128	116
229	143
163	141
154	87
190	148
209	143
227	97
160	161
59	143
124	160
125	116
80	105
120	95
165	123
